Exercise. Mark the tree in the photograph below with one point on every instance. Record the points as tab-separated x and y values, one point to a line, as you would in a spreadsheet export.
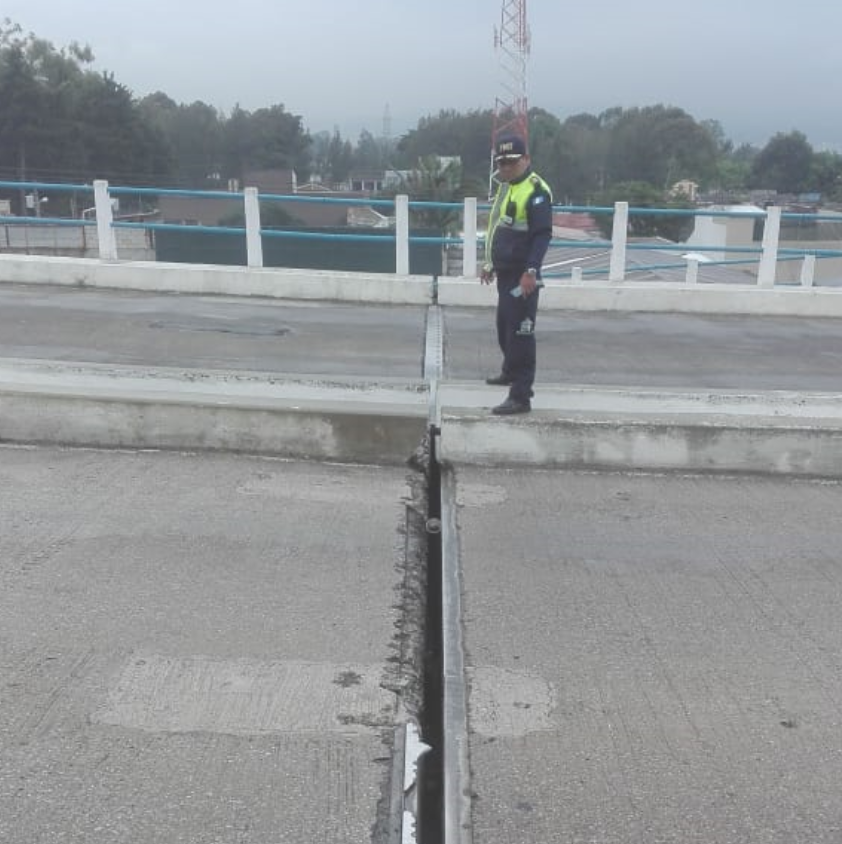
115	141
372	153
435	179
271	216
269	138
21	105
583	146
545	146
644	195
826	175
783	164
339	158
59	119
660	145
450	133
193	135
733	169
724	146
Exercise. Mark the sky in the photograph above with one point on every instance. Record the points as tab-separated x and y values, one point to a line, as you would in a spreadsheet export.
757	66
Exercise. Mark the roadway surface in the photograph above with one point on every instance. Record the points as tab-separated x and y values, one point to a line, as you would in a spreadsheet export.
214	332
201	648
652	658
381	342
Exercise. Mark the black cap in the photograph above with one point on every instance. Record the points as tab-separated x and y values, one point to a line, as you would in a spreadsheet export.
509	146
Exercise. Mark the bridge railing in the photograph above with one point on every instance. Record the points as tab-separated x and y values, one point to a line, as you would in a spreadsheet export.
766	257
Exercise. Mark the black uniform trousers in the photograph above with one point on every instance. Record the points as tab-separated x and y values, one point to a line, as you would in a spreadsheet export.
516	333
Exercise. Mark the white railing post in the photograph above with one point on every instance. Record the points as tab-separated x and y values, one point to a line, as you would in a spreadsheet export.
808	271
254	244
619	236
104	219
469	238
402	235
769	258
576	274
692	271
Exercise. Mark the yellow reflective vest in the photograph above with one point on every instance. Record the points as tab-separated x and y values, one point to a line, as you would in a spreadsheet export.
509	240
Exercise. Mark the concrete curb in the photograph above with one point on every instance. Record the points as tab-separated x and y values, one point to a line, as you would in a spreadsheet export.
384	421
765	445
580	427
108	406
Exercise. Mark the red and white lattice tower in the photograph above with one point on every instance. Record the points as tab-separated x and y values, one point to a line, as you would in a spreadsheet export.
512	42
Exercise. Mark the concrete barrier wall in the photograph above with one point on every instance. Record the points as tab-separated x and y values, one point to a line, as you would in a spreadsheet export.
76	241
327	285
207	279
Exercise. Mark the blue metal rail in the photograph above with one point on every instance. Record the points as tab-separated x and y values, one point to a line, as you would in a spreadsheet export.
456	208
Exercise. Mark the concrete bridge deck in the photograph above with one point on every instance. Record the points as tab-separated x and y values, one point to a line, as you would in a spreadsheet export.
635	390
373	342
651	657
202	646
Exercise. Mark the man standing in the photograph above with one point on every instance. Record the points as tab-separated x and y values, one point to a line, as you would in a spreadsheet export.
519	231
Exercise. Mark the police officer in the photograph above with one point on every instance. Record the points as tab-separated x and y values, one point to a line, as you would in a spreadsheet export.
519	231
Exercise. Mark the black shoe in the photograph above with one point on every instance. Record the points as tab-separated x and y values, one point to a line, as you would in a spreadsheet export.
511	406
501	380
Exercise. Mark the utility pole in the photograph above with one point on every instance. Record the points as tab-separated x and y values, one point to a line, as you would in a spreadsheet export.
512	42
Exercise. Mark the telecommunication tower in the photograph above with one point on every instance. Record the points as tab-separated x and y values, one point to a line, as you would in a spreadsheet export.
512	42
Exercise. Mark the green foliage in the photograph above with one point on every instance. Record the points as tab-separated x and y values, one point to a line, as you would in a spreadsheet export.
826	175
434	180
644	195
60	120
269	138
193	137
22	135
582	153
660	145
450	133
339	158
372	154
783	164
271	215
57	118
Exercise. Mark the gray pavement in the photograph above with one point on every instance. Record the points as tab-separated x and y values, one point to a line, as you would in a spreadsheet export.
379	342
202	648
683	351
211	332
652	658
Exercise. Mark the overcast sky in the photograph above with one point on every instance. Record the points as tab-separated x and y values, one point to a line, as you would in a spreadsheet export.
756	66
